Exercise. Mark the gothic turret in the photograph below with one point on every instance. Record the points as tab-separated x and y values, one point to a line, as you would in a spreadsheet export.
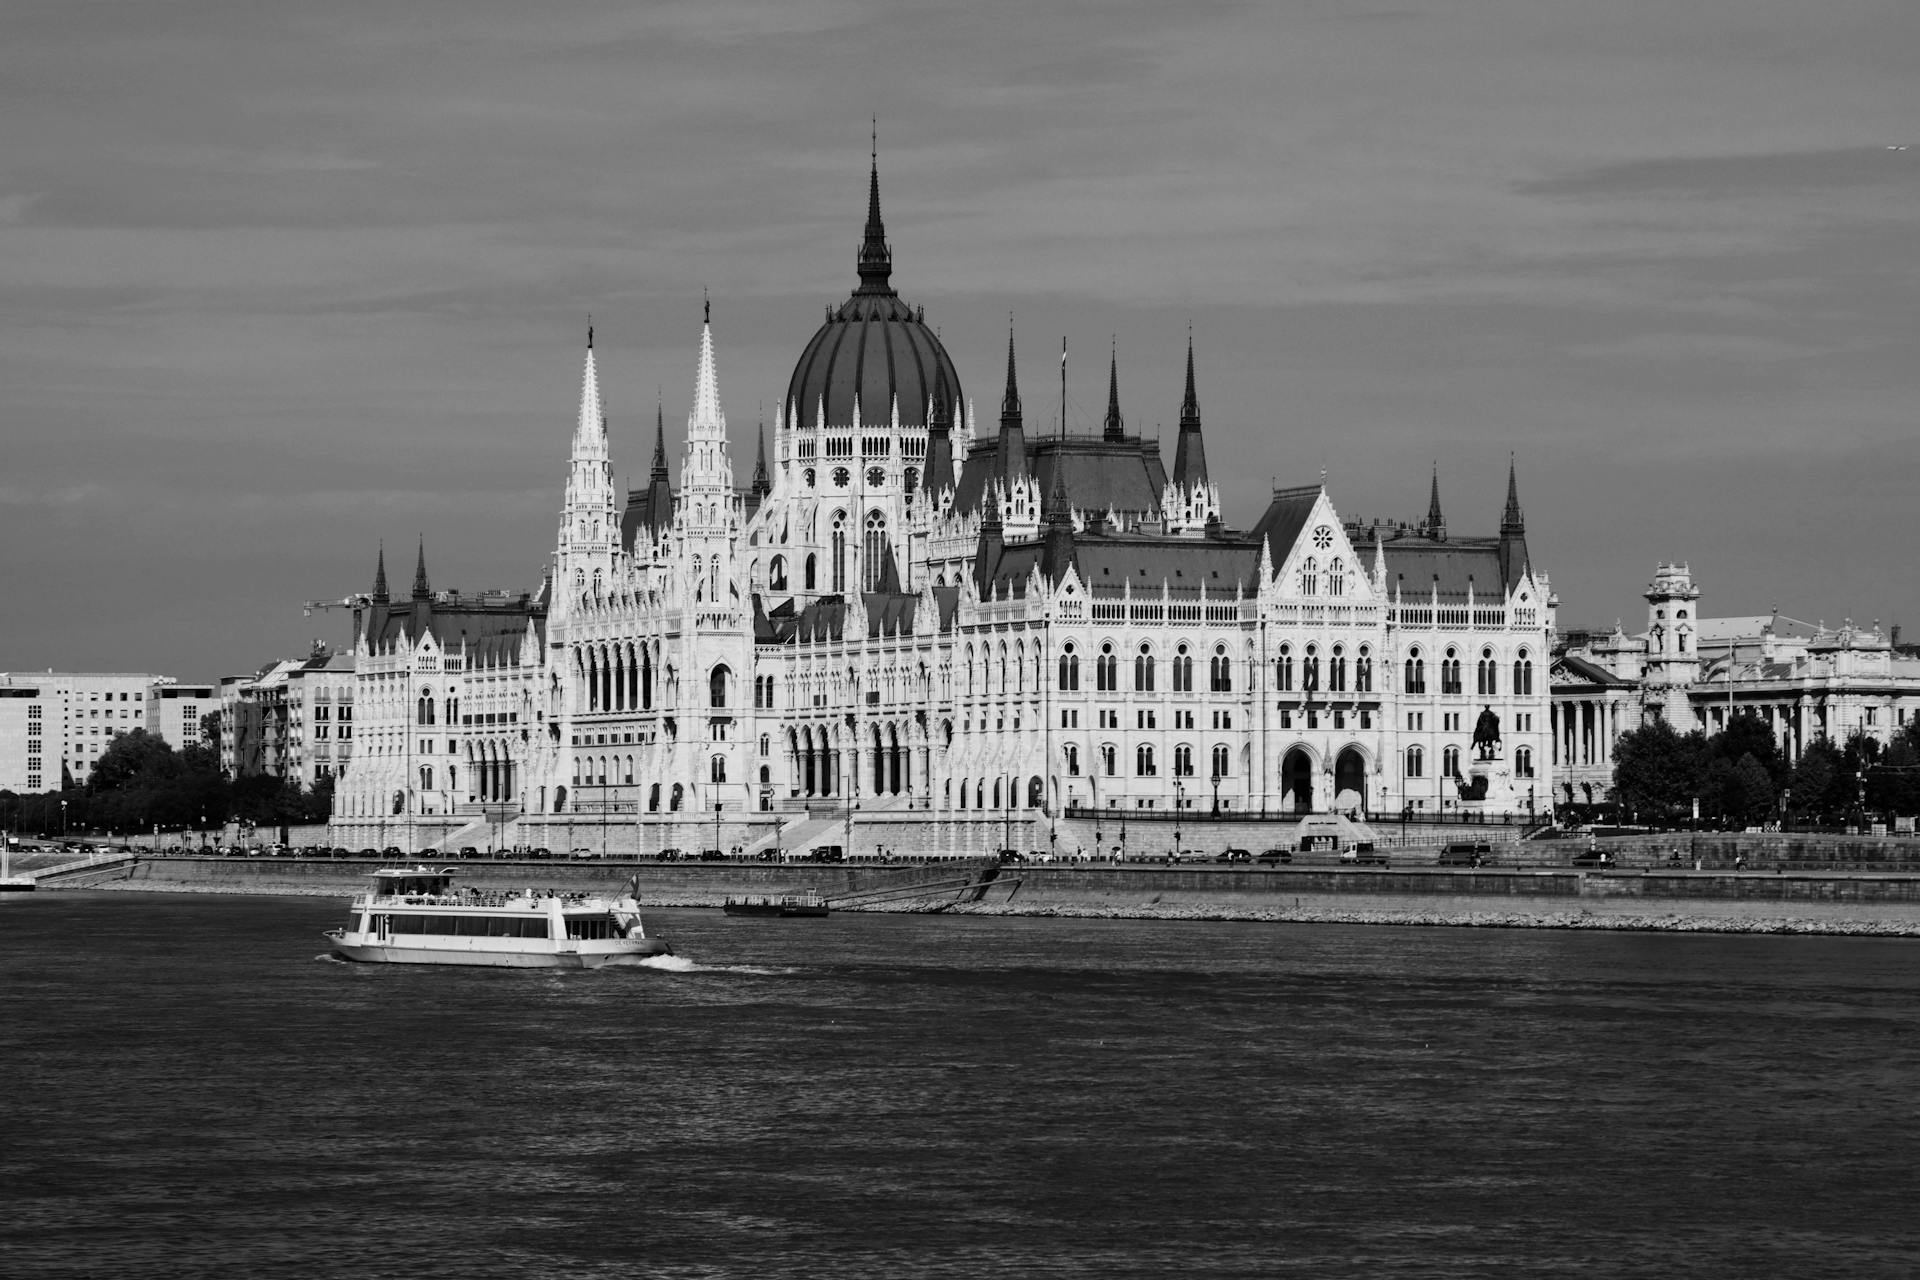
1013	435
422	589
938	475
876	255
1513	533
1056	545
1190	454
589	525
1115	427
380	595
1436	523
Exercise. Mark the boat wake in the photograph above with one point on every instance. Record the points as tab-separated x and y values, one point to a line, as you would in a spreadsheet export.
681	964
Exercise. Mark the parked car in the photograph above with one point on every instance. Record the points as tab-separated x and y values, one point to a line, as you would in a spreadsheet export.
671	854
1362	853
773	855
1464	854
584	853
1275	857
469	851
827	853
713	855
1235	855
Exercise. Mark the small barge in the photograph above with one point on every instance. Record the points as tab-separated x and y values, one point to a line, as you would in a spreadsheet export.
785	905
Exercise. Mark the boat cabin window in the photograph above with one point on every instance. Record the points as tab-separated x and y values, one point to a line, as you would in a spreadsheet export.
415	884
489	926
591	927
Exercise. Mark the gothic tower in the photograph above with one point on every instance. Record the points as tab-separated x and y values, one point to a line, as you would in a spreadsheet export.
589	525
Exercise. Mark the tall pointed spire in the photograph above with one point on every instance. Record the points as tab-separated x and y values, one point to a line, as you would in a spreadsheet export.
590	429
380	595
1116	427
422	590
876	256
1513	533
938	474
1436	523
706	419
1013	435
1190	452
1056	545
659	442
659	495
761	485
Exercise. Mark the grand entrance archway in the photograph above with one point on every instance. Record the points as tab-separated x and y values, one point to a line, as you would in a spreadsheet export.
1350	781
1296	782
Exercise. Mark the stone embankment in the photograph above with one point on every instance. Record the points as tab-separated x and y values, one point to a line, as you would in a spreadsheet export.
1557	898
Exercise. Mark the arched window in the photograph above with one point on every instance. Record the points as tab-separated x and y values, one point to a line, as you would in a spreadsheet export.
1071	754
1416	762
810	578
653	798
1222	670
839	558
1106	670
559	799
718	768
1309	577
1486	676
679	794
1109	762
699	579
876	546
1450	673
1450	762
1283	669
1337	671
423	710
1523	762
777	574
1363	671
1003	666
1069	670
1143	670
1183	761
1523	674
1182	670
1416	681
717	686
911	480
1310	670
1336	578
1143	761
1221	757
426	777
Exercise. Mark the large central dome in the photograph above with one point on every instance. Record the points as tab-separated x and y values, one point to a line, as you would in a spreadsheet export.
874	348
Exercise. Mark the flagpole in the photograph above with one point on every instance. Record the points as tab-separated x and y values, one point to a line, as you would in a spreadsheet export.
1063	386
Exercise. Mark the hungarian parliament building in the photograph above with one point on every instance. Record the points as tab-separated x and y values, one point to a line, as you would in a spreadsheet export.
907	608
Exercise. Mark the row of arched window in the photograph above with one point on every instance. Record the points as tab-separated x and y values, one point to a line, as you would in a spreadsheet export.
1486	674
1335	670
1106	669
1416	762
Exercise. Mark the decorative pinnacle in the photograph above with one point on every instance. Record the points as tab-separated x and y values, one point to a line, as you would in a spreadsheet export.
380	576
421	588
1512	519
1010	402
1190	406
1435	521
1116	427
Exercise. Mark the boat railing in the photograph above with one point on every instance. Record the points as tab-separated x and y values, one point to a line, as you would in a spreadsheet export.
480	898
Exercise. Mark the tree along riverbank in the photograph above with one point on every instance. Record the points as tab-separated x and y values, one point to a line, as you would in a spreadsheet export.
1707	901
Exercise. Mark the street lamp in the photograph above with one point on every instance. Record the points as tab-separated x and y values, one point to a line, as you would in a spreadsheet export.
63	819
1216	795
716	826
1179	799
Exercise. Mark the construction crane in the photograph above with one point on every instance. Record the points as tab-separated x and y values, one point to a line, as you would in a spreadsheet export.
346	602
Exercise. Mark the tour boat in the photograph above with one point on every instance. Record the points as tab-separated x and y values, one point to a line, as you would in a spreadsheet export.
806	903
417	916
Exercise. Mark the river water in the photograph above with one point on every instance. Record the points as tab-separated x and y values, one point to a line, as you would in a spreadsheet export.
192	1091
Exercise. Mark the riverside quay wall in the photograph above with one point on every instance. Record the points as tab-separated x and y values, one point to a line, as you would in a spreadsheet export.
1771	901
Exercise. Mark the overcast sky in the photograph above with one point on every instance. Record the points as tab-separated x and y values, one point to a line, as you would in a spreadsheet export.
278	281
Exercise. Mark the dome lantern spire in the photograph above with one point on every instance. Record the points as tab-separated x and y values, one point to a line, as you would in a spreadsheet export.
876	256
